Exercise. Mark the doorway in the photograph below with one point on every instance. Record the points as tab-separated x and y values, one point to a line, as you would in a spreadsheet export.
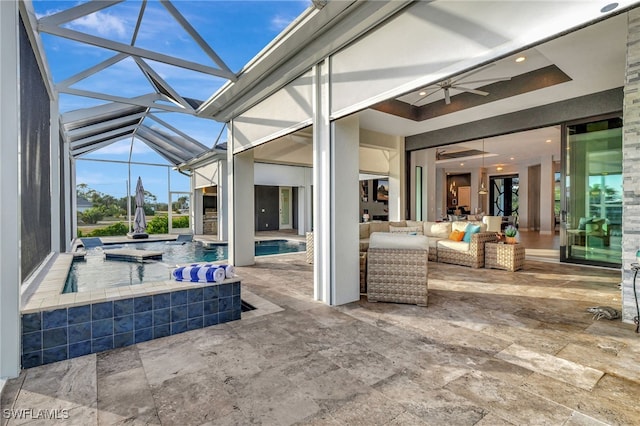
591	222
285	207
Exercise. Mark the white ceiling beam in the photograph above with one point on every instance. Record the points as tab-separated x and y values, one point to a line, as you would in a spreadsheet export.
112	133
91	71
76	12
106	109
175	130
170	157
155	136
132	50
196	36
134	37
128	101
150	72
94	147
104	126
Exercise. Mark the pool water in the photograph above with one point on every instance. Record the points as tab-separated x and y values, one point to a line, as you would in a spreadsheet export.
96	272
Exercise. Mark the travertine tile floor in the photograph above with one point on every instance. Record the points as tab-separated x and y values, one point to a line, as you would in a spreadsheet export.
492	348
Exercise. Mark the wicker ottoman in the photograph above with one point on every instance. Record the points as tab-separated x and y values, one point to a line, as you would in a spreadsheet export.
397	268
509	257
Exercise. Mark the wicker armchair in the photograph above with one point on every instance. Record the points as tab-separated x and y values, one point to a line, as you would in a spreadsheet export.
397	268
473	257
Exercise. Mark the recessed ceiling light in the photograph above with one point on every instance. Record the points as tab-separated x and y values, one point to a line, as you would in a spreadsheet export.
422	93
512	158
548	141
520	59
462	164
499	168
609	7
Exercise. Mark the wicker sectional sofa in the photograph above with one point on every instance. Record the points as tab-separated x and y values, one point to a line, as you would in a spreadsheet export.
441	248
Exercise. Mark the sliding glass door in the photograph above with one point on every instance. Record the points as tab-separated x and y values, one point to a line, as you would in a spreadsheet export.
591	230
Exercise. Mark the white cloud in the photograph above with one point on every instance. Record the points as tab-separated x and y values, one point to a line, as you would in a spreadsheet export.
280	22
123	147
101	23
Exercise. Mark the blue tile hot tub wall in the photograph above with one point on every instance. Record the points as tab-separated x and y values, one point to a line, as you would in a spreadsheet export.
59	334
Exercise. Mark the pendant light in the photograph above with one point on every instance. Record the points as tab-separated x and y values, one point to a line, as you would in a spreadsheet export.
483	188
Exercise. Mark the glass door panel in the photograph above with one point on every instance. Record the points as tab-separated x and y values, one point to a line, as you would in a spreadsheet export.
591	231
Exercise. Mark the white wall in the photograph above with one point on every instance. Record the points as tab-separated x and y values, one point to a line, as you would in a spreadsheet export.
285	111
206	175
280	175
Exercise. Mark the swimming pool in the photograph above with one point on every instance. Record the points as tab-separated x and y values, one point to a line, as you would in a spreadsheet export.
96	272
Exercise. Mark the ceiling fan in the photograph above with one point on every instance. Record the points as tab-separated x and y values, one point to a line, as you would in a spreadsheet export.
458	84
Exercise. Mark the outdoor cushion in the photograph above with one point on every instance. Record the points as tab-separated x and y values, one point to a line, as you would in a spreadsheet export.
459	225
415	223
400	223
388	240
364	230
378	227
468	233
437	229
416	230
454	245
456	235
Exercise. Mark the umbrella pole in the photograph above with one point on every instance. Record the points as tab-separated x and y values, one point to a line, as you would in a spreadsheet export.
128	205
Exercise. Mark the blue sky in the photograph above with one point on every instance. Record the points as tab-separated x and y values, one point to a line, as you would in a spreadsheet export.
236	30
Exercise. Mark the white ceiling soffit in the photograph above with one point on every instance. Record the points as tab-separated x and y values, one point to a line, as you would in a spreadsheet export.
572	53
314	36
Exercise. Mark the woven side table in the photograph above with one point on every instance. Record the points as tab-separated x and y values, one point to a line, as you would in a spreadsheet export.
509	257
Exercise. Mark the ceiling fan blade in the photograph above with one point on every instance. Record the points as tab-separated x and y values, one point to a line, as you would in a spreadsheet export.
475	91
486	80
469	74
447	98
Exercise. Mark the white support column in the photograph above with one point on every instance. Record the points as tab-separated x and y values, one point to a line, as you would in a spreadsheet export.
335	199
223	201
74	200
241	206
322	255
429	185
425	158
9	190
308	199
197	203
68	207
547	223
523	197
56	186
302	216
345	207
397	199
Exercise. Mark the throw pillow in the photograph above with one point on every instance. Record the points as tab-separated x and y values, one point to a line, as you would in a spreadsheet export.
456	235
468	233
415	230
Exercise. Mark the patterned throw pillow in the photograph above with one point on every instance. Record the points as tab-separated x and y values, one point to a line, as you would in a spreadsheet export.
456	235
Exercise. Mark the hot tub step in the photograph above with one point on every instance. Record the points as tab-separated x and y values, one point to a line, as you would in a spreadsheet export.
132	255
